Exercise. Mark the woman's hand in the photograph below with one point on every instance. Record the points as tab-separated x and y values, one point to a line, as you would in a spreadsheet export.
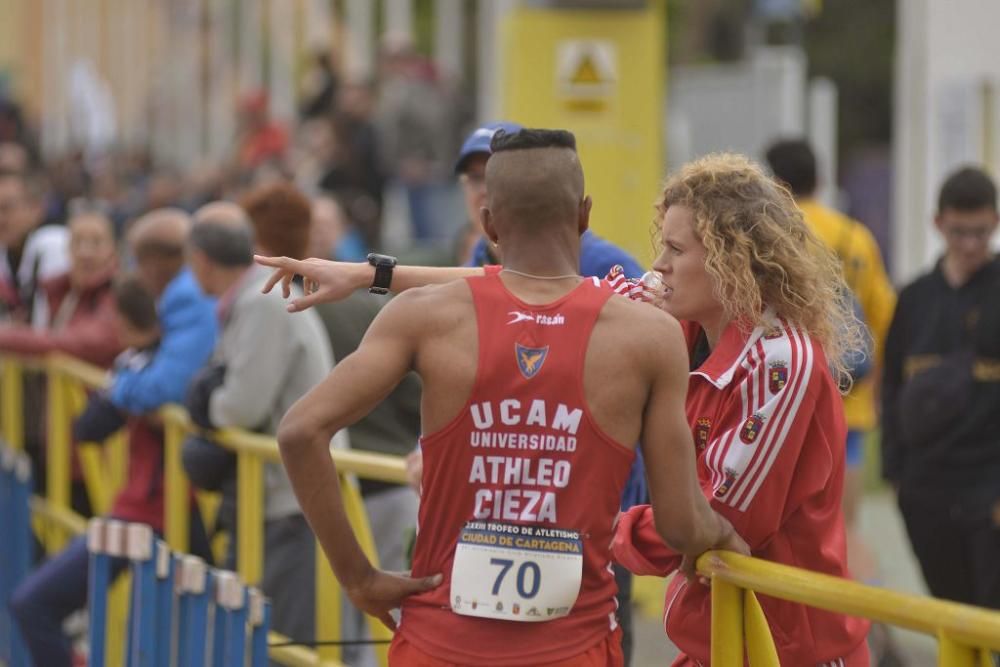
323	280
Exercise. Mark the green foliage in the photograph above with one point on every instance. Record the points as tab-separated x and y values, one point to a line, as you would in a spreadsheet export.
852	42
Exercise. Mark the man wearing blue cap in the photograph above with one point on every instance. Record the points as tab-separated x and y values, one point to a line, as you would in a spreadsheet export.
597	256
471	170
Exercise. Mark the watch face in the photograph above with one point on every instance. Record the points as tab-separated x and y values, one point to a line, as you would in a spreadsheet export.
381	260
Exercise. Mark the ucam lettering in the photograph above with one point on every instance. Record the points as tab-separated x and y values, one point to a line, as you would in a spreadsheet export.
511	413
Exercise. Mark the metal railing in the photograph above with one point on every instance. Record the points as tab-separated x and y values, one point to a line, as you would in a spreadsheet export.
104	469
966	635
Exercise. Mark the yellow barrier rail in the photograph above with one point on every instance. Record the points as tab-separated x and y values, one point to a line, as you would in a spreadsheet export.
966	634
104	470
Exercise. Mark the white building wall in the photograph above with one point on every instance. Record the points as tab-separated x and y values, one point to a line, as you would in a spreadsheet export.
947	69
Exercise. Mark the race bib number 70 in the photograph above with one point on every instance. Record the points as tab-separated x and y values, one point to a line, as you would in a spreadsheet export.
516	573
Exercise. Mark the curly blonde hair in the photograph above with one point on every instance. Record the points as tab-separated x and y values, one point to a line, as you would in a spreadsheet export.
760	253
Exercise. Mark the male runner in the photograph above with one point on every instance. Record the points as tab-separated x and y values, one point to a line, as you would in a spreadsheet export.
530	404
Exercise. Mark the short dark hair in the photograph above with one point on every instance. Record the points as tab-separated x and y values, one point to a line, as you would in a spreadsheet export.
531	138
135	303
158	249
281	215
968	189
793	162
227	245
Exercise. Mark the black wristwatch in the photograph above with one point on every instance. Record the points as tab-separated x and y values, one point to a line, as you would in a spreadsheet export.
384	264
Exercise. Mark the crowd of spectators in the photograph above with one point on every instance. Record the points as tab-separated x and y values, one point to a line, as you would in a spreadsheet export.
147	271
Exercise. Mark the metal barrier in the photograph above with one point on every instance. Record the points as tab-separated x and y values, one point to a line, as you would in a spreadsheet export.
104	469
174	600
15	557
966	634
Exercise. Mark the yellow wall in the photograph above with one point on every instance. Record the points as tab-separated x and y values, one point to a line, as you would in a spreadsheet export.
619	126
20	49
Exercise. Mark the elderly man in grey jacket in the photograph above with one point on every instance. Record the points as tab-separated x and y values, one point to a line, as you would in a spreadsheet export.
271	358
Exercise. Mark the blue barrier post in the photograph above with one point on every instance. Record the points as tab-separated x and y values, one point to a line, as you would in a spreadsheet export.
183	605
260	623
142	618
115	548
195	607
167	650
219	619
231	607
236	633
99	576
21	545
15	494
6	555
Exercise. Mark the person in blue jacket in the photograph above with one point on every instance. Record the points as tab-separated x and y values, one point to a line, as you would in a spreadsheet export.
188	321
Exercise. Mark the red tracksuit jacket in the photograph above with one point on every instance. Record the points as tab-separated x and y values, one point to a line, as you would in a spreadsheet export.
769	428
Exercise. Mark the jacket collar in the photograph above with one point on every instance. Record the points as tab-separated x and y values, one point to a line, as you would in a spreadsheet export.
731	348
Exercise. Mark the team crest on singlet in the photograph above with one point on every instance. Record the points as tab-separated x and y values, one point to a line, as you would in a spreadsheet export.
530	359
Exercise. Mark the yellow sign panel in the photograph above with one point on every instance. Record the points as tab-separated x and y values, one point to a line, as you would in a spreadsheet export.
600	74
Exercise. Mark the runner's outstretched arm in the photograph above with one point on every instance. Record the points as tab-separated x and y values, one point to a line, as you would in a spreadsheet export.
357	383
326	280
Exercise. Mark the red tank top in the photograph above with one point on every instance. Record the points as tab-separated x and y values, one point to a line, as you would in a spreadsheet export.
520	492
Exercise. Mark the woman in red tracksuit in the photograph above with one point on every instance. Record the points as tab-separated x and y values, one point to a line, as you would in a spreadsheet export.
760	298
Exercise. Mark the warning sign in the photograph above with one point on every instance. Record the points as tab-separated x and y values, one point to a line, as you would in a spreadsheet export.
586	72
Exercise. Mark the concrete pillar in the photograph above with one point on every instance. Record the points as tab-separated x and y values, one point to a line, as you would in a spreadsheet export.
221	102
56	39
187	84
281	59
822	130
449	37
360	53
87	19
319	25
398	17
490	63
250	50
